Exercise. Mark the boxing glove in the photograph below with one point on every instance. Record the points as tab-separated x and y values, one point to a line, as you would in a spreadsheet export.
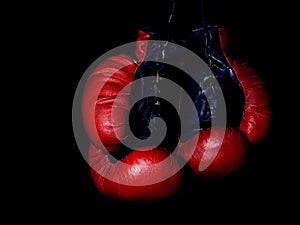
248	111
144	173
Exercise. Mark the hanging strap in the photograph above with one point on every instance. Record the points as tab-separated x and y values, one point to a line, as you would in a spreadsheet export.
204	25
171	19
202	12
173	5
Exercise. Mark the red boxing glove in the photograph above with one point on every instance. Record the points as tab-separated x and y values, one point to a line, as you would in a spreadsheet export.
213	155
147	174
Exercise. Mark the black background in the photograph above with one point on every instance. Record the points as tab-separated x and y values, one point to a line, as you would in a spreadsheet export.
93	29
74	35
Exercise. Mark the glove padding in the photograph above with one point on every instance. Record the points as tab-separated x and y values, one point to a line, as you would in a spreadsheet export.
101	90
115	73
139	170
216	154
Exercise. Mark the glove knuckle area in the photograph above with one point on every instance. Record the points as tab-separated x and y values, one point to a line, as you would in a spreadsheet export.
148	174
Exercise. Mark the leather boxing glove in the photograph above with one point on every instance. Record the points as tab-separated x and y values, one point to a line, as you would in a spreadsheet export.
141	174
247	106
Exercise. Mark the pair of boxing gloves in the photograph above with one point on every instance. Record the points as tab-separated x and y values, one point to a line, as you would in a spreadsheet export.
151	173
